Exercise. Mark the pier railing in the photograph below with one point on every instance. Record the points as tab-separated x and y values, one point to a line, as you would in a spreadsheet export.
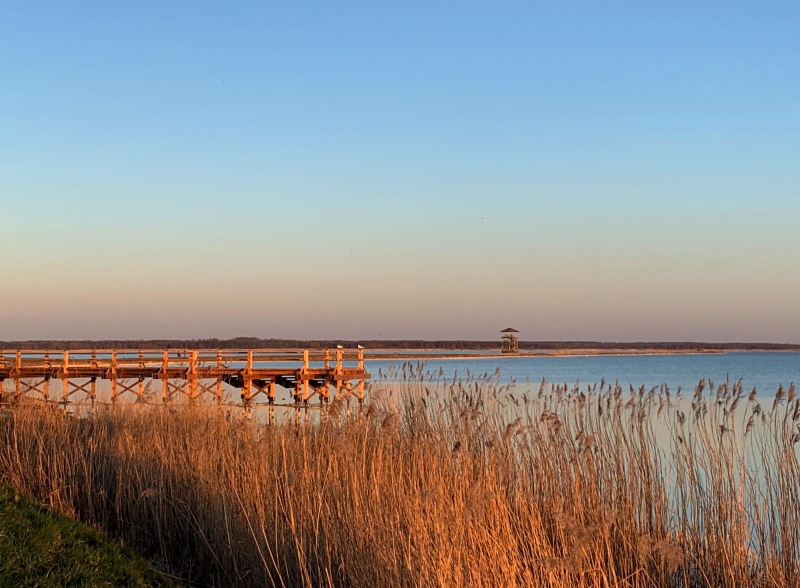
191	372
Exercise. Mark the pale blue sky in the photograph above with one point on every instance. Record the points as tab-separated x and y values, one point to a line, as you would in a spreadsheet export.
356	170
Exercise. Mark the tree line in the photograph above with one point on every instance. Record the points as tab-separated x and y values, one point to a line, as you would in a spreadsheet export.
400	344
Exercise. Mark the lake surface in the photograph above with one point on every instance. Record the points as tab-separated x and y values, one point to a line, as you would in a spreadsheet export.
764	370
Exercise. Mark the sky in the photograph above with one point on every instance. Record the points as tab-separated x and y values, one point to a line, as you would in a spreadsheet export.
578	170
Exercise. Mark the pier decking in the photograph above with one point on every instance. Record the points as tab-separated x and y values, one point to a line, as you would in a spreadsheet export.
190	373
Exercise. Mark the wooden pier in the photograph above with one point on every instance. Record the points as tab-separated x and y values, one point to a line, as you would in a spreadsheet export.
190	374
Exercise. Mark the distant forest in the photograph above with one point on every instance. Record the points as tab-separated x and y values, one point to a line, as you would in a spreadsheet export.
256	343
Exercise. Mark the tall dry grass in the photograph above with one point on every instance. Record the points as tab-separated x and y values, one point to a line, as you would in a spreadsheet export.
438	483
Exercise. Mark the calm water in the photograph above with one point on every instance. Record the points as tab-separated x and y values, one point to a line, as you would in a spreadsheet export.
766	371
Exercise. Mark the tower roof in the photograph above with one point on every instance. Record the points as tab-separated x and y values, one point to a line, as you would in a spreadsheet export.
509	330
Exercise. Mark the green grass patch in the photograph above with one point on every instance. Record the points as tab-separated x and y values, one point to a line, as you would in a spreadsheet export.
41	548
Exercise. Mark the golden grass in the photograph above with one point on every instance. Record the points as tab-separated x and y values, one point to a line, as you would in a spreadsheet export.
438	483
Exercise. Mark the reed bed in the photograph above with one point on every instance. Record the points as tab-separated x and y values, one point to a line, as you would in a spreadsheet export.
438	482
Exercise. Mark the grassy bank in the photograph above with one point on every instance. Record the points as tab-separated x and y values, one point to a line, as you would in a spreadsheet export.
40	548
463	483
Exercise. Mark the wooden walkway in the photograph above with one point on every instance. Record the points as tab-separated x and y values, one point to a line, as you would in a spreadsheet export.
189	373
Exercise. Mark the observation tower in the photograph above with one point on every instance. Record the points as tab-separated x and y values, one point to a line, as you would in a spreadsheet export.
510	340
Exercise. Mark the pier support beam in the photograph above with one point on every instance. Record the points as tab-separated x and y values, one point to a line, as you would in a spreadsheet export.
69	387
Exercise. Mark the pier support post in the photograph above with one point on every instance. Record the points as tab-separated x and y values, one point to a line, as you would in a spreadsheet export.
304	377
164	375
247	380
338	374
193	375
64	379
18	377
113	376
219	379
360	386
247	392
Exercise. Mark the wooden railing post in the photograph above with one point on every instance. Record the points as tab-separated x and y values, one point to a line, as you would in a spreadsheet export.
113	375
360	387
46	381
65	377
165	376
193	375
304	377
338	373
219	377
18	377
247	380
93	385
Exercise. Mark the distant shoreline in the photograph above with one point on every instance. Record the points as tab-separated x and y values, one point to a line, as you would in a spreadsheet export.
432	353
387	354
409	346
